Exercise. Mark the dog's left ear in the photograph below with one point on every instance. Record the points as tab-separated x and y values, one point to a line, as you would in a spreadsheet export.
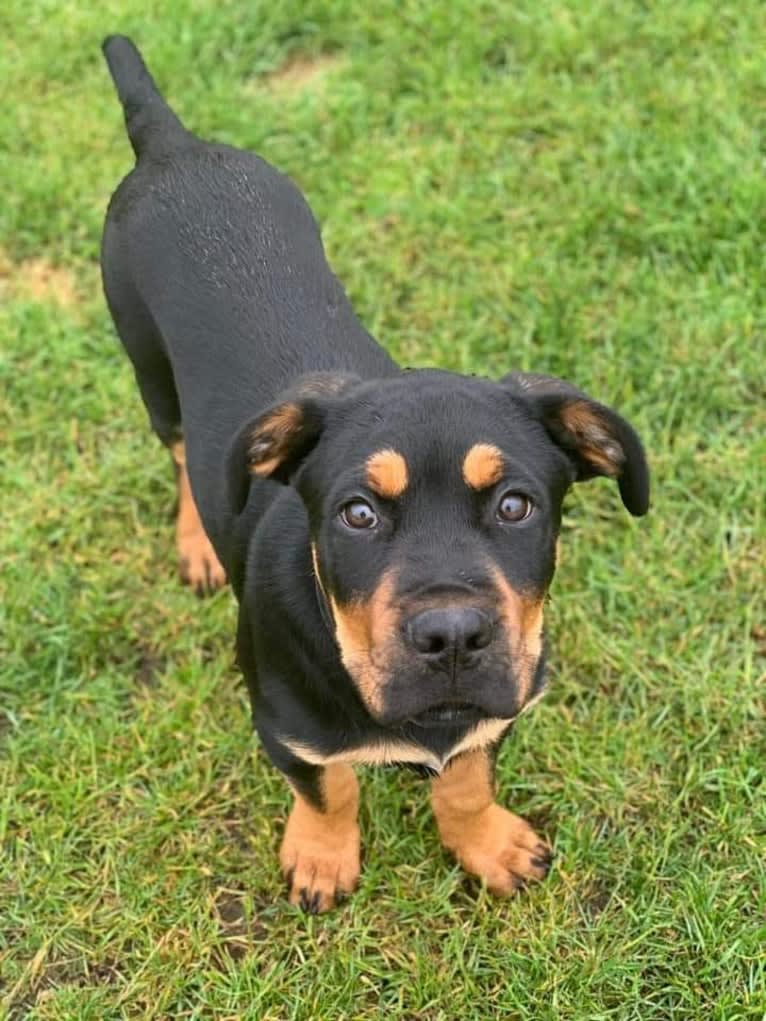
596	439
274	444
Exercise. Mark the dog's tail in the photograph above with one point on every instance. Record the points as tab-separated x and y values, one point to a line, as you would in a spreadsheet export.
152	126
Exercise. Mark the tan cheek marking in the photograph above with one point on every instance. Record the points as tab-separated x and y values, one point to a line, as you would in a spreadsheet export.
387	474
523	617
483	466
364	630
596	444
273	434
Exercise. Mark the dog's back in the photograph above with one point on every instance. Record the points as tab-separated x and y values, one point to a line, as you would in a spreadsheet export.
216	277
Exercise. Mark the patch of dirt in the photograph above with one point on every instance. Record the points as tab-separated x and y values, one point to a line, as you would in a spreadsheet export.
596	899
39	280
47	979
300	72
758	634
6	725
149	665
238	932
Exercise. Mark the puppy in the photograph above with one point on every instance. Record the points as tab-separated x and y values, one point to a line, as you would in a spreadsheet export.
389	535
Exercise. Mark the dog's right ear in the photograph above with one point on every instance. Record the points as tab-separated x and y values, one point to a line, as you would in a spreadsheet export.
274	444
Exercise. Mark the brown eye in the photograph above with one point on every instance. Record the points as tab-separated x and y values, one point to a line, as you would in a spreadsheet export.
514	507
358	514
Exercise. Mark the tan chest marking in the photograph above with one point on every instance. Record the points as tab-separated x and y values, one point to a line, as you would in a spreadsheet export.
393	752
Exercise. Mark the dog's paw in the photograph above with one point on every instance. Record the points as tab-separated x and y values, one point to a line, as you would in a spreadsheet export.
320	862
198	564
502	850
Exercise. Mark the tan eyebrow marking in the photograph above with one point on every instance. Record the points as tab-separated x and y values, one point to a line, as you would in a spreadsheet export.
387	473
483	466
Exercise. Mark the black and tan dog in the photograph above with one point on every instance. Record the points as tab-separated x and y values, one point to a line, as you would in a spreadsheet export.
389	534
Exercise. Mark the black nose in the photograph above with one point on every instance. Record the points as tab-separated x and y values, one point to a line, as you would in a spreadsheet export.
452	633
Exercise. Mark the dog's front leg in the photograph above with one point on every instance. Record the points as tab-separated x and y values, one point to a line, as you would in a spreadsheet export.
500	848
320	849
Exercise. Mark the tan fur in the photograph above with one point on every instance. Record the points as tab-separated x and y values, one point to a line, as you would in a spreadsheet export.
484	733
315	564
385	753
596	443
322	384
275	430
488	841
282	420
320	849
199	566
366	631
387	474
522	616
483	466
382	754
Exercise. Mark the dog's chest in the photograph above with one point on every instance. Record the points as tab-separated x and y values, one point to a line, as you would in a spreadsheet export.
381	753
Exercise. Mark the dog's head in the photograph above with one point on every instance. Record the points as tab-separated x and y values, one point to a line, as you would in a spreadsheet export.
434	503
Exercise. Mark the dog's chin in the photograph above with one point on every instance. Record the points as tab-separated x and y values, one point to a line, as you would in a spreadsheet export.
411	700
449	714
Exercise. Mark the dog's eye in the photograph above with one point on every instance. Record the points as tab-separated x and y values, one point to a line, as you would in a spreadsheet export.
514	507
358	514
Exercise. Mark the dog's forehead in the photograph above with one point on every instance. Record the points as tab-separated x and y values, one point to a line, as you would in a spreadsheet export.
434	419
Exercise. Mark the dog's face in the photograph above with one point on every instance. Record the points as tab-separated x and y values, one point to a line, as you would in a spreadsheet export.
434	503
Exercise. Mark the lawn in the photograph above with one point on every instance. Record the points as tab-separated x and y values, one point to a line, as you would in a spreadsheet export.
568	187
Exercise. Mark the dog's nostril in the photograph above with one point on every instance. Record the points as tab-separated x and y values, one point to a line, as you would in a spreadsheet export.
434	645
475	642
482	633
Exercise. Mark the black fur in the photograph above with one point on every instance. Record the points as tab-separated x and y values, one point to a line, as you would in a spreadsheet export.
216	277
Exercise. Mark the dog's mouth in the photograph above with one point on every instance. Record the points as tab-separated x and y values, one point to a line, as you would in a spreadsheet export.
449	714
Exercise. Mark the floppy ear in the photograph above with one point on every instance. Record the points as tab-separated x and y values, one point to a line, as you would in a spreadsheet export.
597	440
274	443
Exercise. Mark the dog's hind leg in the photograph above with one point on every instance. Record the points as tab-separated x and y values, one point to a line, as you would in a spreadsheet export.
199	566
197	560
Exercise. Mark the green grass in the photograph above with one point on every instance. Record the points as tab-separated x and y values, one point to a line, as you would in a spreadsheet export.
575	188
